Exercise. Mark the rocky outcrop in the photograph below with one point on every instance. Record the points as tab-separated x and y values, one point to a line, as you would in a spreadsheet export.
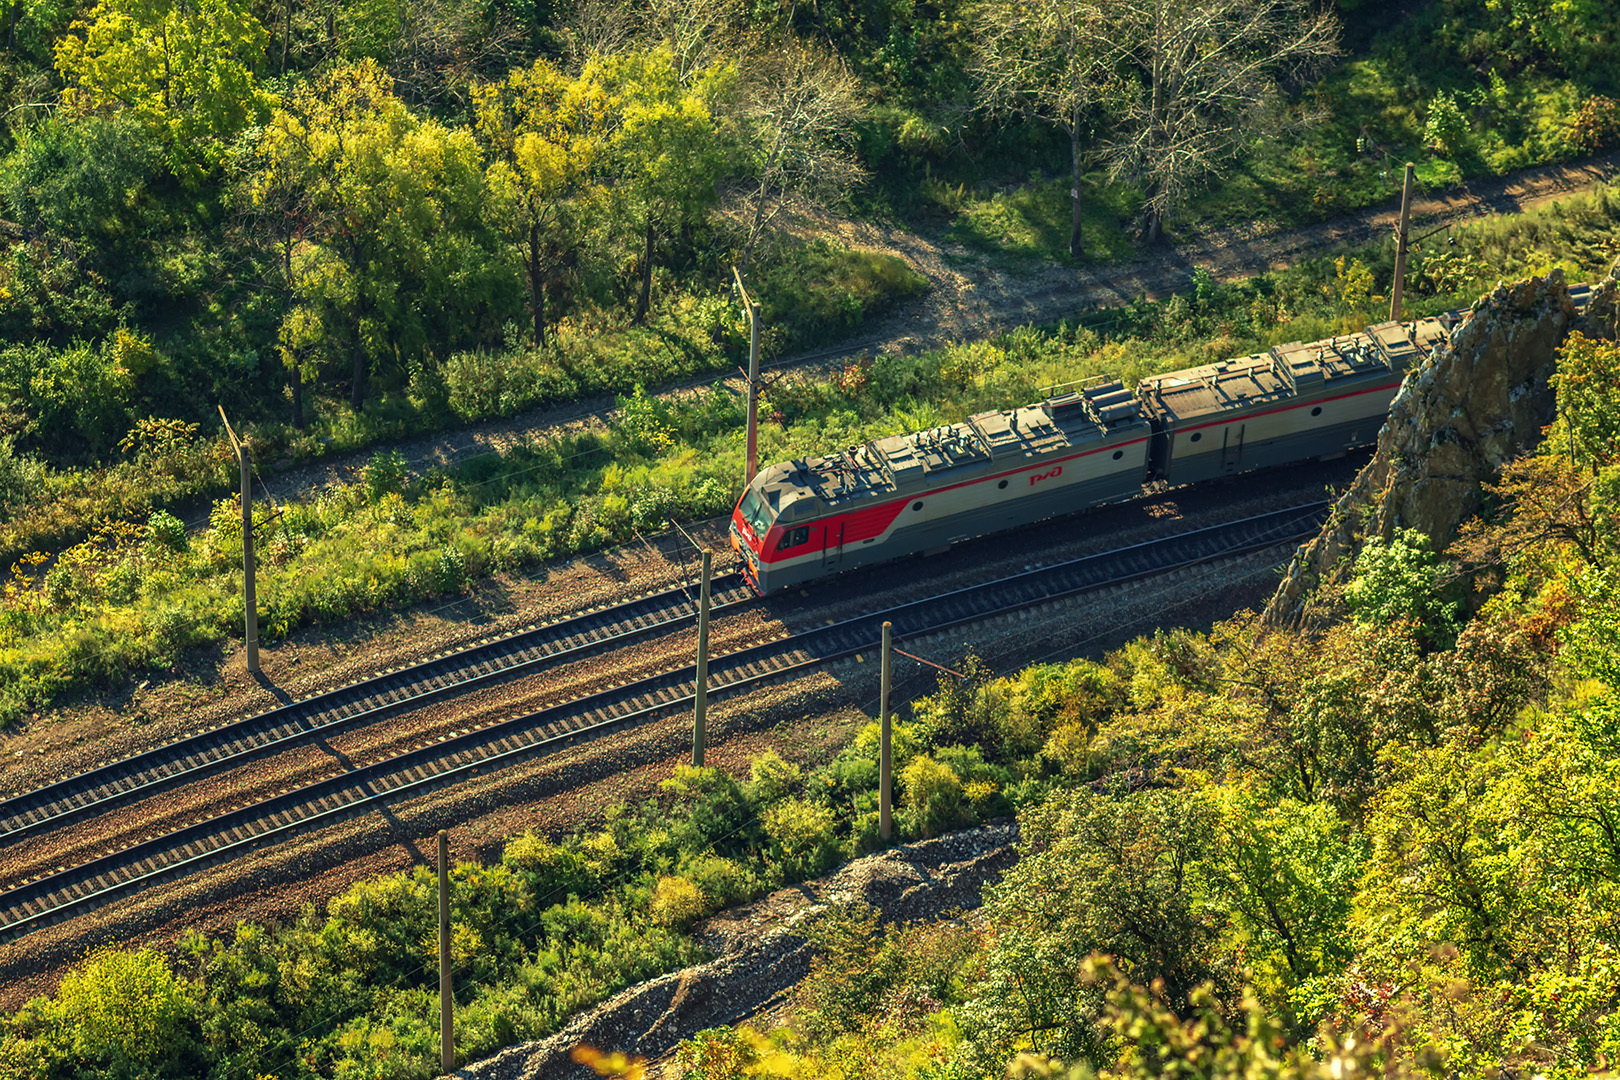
1467	410
762	954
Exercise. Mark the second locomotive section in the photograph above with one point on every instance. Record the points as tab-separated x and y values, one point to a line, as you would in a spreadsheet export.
807	519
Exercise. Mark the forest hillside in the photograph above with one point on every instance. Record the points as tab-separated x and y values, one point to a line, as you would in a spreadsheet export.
1384	839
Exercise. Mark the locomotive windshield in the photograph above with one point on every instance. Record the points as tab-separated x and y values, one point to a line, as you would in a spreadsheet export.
755	512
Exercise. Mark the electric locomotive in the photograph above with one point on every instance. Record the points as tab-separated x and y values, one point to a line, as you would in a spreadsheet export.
922	492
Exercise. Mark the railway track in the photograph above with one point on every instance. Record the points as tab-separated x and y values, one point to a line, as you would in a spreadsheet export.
362	702
75	890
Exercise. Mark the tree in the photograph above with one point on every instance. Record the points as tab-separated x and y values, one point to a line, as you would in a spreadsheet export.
1490	891
665	147
1286	872
278	202
443	47
90	181
1051	61
1107	874
1200	80
799	105
1401	579
1587	385
397	263
1543	502
545	132
184	67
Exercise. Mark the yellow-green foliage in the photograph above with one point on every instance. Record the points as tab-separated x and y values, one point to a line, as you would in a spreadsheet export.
677	903
802	835
129	1003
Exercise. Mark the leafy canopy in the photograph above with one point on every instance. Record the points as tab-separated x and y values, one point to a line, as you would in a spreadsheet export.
184	67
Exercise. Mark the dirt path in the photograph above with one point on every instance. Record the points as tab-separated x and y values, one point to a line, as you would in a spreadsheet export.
973	296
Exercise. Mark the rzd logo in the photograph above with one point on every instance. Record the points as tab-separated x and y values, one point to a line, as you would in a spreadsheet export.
1057	470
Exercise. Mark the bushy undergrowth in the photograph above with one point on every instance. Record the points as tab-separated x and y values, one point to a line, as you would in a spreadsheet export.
814	292
553	928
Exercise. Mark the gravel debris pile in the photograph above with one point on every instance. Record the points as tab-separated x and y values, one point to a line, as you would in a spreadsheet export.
761	953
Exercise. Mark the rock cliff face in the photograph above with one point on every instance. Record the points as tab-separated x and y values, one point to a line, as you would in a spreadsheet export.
1467	410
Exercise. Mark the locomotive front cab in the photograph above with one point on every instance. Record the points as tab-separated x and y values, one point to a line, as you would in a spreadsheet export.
750	525
771	526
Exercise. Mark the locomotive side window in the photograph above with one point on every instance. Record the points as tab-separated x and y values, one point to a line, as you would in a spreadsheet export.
1196	436
916	506
1002	484
1118	454
1317	411
795	537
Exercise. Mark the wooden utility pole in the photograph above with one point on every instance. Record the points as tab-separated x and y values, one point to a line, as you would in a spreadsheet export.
701	708
885	755
447	1000
1401	235
250	603
753	379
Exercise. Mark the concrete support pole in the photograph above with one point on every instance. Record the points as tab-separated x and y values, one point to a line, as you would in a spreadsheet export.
1401	235
753	379
250	601
885	755
700	710
753	393
250	604
447	1001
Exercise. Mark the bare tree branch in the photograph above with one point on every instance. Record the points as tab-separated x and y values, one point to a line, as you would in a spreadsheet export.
1202	79
797	110
1047	61
1174	88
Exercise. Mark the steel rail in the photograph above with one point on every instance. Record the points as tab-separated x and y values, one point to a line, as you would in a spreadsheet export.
360	702
68	892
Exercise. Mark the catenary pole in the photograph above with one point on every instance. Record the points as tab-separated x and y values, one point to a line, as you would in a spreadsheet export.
885	754
447	999
250	604
700	709
753	378
1401	235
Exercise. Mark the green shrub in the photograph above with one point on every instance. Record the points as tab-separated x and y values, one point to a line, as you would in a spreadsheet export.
1597	125
771	779
677	903
481	384
165	531
125	1008
552	872
22	479
384	474
935	800
723	882
804	840
1401	579
715	1054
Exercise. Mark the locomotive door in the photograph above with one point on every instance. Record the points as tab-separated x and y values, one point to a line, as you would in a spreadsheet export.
1232	449
832	545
